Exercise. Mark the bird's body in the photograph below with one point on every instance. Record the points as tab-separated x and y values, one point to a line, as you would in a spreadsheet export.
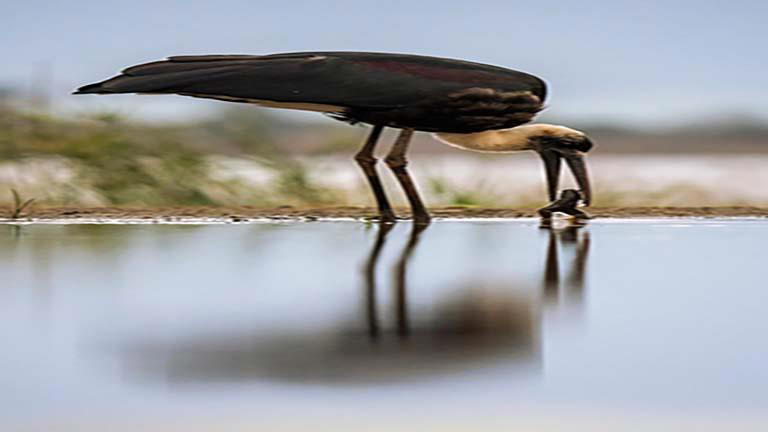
466	104
395	90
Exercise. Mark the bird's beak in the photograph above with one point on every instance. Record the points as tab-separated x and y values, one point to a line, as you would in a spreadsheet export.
552	164
575	160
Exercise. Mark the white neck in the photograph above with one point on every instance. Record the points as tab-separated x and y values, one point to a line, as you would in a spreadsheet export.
503	140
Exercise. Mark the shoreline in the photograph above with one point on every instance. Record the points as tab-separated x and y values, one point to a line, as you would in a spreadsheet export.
255	214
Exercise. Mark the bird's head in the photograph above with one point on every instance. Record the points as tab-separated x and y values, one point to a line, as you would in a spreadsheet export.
555	143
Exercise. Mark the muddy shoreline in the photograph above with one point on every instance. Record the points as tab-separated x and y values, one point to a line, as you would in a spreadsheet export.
237	214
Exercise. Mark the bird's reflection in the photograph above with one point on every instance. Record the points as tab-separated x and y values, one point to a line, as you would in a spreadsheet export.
473	323
570	237
401	269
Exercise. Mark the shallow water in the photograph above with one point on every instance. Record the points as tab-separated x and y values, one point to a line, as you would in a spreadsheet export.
485	323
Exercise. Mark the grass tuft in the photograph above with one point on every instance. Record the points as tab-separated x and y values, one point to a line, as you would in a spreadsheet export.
18	204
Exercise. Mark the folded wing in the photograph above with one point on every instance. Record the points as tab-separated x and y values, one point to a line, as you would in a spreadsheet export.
340	79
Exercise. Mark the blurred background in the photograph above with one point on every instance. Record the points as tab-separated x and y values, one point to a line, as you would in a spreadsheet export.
673	94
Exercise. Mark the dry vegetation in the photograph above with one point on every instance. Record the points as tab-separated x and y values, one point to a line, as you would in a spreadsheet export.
105	160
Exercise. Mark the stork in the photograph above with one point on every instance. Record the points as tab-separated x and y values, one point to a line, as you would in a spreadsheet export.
468	105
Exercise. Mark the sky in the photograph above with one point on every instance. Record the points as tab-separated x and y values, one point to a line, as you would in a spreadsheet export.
637	63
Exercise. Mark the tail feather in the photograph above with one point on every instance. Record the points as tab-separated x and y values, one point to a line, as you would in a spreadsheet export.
160	77
89	89
216	76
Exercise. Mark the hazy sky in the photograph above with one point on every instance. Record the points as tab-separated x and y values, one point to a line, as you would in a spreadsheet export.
639	62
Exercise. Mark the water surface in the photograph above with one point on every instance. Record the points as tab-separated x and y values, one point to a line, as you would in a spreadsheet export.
491	323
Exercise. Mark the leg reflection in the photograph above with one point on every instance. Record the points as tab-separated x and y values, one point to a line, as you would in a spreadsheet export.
551	284
369	273
400	276
570	237
575	279
400	279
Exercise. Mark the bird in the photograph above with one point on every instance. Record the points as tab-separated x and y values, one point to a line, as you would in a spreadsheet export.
469	105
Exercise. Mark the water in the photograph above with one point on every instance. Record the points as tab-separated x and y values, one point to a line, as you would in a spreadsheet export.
338	325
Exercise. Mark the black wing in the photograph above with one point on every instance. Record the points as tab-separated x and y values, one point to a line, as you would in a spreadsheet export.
357	82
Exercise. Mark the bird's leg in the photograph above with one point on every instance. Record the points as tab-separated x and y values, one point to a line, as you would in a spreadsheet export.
367	162
397	162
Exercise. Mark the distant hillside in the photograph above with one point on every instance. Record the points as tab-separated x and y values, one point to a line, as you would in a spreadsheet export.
236	129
